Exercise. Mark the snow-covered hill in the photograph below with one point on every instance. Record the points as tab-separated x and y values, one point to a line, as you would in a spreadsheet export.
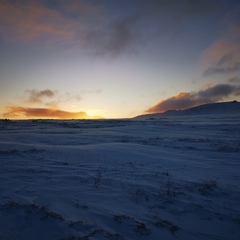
221	108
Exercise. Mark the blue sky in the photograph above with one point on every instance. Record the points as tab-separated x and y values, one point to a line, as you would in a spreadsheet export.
117	58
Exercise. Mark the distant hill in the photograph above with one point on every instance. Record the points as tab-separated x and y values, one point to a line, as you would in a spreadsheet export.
206	109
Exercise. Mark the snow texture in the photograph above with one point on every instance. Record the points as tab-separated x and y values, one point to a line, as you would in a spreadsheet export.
168	178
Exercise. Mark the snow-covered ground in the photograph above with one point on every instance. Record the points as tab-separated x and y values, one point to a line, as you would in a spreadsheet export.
167	178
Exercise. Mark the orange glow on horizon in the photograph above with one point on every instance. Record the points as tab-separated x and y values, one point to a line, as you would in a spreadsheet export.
18	112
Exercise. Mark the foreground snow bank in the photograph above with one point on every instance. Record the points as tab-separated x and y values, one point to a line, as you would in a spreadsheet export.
123	179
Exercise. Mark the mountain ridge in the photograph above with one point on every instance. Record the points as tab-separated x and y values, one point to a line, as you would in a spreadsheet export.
232	107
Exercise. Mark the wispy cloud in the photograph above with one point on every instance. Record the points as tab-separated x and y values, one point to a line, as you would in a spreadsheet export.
125	34
191	99
91	91
30	21
234	80
79	9
179	10
34	96
223	56
229	63
115	38
90	25
47	98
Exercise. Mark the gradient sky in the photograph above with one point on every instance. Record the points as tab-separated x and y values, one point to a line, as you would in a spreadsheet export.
116	58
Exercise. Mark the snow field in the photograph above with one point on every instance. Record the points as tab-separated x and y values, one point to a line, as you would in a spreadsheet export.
166	178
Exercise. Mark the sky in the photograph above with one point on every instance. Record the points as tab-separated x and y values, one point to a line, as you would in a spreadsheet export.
116	58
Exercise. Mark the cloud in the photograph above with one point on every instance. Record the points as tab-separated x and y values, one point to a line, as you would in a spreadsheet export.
75	24
18	112
80	9
179	10
223	56
45	104
125	32
191	99
122	35
30	21
116	38
47	98
228	63
36	96
234	79
96	27
92	91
